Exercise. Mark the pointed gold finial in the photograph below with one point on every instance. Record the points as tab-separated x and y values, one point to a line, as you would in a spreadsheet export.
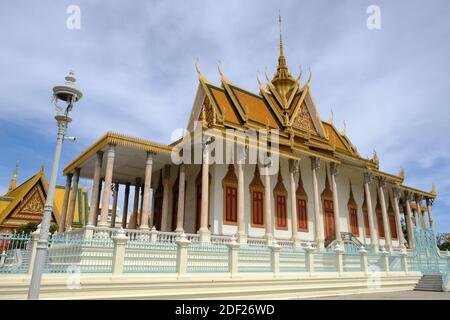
299	75
309	77
265	73
282	80
401	174
331	120
200	75
433	189
375	157
345	128
281	36
222	75
42	167
13	182
259	81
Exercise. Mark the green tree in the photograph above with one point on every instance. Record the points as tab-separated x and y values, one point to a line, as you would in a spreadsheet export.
443	241
32	226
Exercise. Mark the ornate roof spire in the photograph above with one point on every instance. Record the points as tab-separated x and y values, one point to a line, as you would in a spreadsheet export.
282	80
13	182
281	38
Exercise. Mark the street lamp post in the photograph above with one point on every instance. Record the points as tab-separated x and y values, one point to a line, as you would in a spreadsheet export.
69	94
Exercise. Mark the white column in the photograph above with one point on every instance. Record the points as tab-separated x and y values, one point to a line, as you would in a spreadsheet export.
132	224
293	167
73	198
95	189
97	210
387	229
114	206
205	234
146	190
107	189
62	222
241	234
334	168
373	235
396	194
409	223
421	219
430	214
165	203
181	191
125	205
318	223
267	207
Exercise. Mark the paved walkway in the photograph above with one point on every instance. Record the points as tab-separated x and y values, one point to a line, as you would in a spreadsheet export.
399	295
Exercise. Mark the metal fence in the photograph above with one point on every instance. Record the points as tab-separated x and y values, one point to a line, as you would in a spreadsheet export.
147	257
292	260
254	259
207	257
158	253
15	252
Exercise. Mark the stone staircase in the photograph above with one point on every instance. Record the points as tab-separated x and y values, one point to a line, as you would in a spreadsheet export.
429	282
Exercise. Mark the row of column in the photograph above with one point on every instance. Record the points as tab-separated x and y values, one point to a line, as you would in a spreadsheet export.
142	189
204	231
318	219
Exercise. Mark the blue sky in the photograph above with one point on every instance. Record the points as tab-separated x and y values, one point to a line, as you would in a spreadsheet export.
135	64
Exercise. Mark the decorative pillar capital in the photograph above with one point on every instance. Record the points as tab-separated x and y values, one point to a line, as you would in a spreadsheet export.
77	171
368	177
242	152
408	196
111	151
206	141
418	198
149	159
334	168
396	191
294	165
381	182
99	155
315	163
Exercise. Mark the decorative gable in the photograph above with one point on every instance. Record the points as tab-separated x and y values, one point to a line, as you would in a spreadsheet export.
303	120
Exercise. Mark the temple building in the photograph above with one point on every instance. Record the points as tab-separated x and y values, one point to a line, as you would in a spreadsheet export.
321	191
24	204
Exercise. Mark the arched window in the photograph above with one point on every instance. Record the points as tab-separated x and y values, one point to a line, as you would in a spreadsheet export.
379	215
302	205
366	215
257	198
230	183
391	217
328	211
353	213
280	194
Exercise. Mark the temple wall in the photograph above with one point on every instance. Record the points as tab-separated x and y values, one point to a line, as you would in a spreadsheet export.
217	173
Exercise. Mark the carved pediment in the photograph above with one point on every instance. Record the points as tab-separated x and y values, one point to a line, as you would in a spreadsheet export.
208	114
303	120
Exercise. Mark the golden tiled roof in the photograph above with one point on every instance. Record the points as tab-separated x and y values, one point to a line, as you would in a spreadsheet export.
12	201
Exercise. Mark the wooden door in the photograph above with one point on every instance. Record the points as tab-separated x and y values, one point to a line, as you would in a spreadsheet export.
329	220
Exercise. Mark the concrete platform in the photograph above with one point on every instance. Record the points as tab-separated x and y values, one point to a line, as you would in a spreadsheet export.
398	295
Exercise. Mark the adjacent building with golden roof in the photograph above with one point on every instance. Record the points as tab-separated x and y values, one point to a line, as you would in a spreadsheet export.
24	203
